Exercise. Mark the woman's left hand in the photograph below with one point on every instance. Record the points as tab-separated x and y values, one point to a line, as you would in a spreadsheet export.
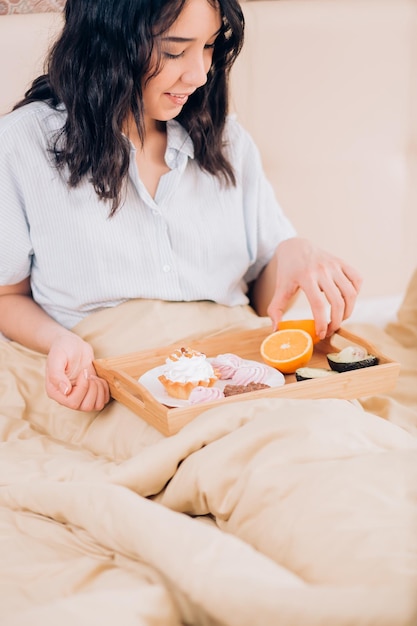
300	265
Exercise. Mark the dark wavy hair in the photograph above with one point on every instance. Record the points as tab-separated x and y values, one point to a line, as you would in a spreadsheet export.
96	70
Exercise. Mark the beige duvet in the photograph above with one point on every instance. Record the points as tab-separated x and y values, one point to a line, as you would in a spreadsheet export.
266	512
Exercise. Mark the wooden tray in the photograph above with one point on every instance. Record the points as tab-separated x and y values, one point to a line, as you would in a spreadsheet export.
122	374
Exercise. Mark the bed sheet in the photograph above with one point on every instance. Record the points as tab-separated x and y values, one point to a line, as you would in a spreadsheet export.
262	512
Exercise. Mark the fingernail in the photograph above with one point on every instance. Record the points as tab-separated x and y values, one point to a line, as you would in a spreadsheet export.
322	334
64	388
86	376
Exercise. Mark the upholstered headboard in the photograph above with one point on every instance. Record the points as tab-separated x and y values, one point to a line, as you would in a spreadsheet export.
7	7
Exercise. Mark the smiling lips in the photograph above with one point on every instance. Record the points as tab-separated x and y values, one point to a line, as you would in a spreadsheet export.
177	98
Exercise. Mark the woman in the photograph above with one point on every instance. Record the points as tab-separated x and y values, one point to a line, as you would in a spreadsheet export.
123	177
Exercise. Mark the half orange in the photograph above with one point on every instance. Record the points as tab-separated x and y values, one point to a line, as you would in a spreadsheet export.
287	350
308	325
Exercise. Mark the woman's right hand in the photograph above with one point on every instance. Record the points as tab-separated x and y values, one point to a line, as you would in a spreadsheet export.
71	378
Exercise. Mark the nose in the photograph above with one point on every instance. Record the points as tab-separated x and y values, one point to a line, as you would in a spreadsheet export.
195	73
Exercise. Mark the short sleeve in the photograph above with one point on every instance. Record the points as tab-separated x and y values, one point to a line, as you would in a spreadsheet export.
15	244
265	221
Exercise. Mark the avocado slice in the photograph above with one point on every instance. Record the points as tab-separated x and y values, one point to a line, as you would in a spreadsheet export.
307	373
351	358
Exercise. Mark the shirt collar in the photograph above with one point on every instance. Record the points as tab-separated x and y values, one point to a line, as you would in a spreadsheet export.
179	145
178	139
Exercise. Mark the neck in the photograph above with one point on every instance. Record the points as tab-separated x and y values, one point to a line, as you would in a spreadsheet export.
153	129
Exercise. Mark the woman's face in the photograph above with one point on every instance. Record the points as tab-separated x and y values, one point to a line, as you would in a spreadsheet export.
187	51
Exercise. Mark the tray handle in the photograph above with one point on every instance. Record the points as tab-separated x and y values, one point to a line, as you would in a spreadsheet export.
131	390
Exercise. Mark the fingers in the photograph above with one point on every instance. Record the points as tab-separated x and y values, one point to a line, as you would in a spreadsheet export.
319	304
351	289
315	295
280	302
103	392
341	289
71	378
332	298
276	309
90	393
330	285
87	393
57	381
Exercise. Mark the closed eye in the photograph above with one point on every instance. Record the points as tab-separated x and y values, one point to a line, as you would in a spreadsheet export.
169	55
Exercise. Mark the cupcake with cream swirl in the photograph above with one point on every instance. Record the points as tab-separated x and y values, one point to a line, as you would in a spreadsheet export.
184	370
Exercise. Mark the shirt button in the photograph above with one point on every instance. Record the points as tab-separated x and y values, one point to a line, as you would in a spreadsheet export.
166	268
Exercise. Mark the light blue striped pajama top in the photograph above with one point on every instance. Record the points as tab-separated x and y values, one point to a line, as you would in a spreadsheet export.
196	240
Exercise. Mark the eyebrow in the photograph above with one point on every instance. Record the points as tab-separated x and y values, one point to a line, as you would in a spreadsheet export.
187	39
177	39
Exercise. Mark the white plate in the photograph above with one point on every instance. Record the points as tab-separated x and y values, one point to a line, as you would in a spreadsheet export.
150	380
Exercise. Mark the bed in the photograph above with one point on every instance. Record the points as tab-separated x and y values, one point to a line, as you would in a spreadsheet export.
261	512
267	511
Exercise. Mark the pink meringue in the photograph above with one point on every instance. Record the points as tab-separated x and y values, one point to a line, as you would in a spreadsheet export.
254	373
225	365
205	394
